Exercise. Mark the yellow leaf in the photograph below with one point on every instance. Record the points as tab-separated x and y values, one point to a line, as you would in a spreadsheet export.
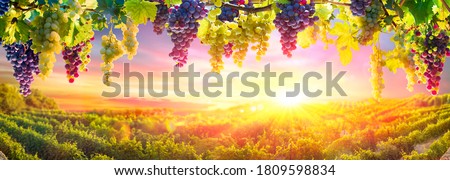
345	55
324	11
203	29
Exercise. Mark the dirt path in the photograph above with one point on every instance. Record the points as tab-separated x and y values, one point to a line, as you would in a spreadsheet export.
446	156
421	148
2	156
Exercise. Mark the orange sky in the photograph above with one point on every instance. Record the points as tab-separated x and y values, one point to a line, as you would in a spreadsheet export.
85	93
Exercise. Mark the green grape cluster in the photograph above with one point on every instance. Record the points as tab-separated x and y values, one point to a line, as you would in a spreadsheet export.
260	35
252	28
402	55
370	23
75	10
47	39
214	32
129	38
85	55
240	41
112	50
376	70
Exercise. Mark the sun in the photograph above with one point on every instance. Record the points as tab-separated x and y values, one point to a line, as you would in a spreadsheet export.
289	101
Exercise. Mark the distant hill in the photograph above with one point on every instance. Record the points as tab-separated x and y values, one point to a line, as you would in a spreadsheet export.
11	101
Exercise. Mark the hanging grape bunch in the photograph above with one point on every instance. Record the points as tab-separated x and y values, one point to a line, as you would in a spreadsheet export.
25	63
183	27
358	7
370	23
73	60
129	32
293	18
4	7
430	50
228	14
112	50
162	15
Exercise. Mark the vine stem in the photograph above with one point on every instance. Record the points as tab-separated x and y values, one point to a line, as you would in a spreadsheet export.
446	5
248	9
333	2
387	13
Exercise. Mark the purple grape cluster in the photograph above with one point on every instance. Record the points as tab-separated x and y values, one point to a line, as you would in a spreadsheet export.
183	27
358	7
162	15
228	14
25	62
4	6
293	18
433	52
71	56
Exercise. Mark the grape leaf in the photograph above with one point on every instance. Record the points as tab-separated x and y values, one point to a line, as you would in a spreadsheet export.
23	30
2	26
345	55
393	64
89	4
104	5
324	11
203	28
420	9
345	41
140	11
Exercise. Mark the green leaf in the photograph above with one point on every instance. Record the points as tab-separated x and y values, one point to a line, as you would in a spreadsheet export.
89	4
140	11
23	30
389	4
104	5
399	10
422	10
2	26
388	19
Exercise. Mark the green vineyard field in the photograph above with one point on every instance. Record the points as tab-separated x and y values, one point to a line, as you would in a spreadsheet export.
392	129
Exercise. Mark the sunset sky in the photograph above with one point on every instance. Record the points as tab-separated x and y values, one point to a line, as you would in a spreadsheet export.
85	93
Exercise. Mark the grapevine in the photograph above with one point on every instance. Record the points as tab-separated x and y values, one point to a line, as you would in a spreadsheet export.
232	27
370	23
376	65
403	57
228	15
183	27
85	55
112	49
294	17
430	48
161	17
129	39
73	60
358	7
215	34
46	38
25	63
